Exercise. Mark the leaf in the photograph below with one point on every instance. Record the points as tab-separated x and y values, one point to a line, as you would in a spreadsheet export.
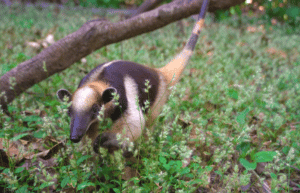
31	118
178	164
293	12
84	185
44	185
248	165
74	180
264	156
83	158
208	168
243	147
65	181
185	171
162	160
260	103
273	176
39	134
238	10
196	181
242	115
190	175
232	10
116	190
218	172
285	150
19	136
22	189
167	166
232	93
20	169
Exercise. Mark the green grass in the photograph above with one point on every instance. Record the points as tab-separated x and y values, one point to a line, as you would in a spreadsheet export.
241	97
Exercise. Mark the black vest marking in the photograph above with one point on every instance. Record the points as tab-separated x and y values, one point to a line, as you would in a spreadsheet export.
114	75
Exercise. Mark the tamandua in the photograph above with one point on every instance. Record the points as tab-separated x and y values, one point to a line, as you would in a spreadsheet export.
128	81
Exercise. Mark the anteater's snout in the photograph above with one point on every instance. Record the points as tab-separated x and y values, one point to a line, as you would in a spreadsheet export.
78	128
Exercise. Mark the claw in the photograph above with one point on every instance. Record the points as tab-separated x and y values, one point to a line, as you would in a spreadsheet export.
106	140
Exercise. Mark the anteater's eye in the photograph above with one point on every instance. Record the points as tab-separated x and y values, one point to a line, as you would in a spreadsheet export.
95	109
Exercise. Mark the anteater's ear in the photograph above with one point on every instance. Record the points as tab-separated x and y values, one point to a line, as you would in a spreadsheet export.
107	94
61	93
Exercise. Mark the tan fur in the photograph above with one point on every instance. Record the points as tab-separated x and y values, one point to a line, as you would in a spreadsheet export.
83	98
198	26
173	69
160	100
96	89
98	86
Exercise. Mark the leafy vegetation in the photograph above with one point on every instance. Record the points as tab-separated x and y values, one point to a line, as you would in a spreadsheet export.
236	110
109	3
100	3
284	10
287	11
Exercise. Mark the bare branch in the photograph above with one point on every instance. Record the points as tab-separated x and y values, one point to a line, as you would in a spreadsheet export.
146	6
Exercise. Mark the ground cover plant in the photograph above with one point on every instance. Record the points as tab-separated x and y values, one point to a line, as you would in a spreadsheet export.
231	124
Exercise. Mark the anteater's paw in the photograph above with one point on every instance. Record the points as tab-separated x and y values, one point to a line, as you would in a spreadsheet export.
108	141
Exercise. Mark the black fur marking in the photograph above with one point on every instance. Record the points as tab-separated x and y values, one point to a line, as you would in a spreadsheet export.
114	75
192	42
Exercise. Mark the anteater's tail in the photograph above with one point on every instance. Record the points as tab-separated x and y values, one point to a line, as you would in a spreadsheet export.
173	69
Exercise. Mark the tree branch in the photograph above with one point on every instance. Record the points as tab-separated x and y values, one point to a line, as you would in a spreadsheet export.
146	6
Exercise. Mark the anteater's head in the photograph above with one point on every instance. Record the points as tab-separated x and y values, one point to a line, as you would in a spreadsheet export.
86	104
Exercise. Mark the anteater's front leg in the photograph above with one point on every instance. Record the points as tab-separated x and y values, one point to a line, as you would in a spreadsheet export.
129	129
108	141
